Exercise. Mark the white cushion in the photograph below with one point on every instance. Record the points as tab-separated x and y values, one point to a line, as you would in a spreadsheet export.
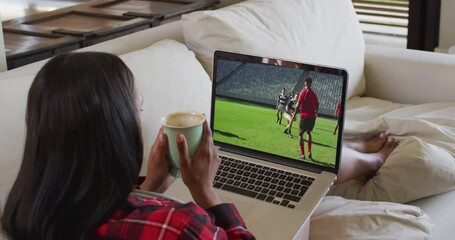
322	32
13	101
170	79
342	219
416	169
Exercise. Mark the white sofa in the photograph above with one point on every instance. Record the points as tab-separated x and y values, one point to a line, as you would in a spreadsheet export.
395	80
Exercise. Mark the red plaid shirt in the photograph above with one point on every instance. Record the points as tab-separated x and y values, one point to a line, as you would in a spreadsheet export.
162	218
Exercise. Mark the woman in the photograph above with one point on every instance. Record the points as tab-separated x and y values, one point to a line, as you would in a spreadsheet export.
82	156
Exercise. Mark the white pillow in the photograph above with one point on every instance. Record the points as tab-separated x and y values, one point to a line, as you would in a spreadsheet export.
415	169
13	102
170	79
342	219
363	109
424	162
322	32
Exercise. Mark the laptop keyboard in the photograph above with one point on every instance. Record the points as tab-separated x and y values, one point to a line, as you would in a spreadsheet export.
261	182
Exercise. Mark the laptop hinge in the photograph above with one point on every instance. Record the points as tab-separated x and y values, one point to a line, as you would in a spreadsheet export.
273	159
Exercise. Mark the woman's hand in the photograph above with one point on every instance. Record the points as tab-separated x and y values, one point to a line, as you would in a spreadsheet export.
199	172
158	178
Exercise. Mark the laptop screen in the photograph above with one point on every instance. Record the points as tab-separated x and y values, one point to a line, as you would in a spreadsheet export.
260	105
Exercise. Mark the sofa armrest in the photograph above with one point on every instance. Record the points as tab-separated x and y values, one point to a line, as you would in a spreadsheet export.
409	76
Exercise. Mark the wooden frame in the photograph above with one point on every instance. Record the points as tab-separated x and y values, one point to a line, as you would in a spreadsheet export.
41	36
424	20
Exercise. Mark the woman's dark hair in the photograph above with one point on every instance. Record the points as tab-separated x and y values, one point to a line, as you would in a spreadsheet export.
83	148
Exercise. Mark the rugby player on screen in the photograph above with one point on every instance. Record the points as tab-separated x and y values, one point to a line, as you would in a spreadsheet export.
337	112
308	104
289	114
280	105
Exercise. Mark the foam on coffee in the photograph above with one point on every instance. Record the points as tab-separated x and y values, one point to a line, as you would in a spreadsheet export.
183	119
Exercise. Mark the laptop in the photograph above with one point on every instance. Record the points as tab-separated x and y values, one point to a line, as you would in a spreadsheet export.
263	171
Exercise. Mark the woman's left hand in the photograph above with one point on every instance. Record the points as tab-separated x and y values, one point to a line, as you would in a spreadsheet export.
158	178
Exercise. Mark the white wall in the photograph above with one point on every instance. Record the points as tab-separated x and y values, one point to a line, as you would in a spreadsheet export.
447	27
2	49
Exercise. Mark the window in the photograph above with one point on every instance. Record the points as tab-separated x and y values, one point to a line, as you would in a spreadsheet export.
384	20
389	13
411	23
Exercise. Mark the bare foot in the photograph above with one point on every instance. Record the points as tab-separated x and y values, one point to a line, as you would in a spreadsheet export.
386	149
358	165
373	145
377	159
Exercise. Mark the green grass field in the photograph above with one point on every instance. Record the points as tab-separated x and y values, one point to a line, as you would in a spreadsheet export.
254	126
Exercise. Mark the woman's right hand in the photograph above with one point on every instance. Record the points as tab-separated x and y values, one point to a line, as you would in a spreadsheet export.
199	172
158	178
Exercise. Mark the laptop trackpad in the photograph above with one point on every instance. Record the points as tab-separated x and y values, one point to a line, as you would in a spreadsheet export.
243	206
179	191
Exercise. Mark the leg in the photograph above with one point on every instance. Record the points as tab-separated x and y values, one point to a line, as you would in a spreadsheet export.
308	140
301	131
289	127
302	148
336	127
277	115
355	164
310	125
286	129
370	146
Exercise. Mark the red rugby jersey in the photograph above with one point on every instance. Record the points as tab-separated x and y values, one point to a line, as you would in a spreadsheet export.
309	104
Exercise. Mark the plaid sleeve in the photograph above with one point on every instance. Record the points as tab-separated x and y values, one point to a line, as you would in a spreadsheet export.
228	218
158	218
